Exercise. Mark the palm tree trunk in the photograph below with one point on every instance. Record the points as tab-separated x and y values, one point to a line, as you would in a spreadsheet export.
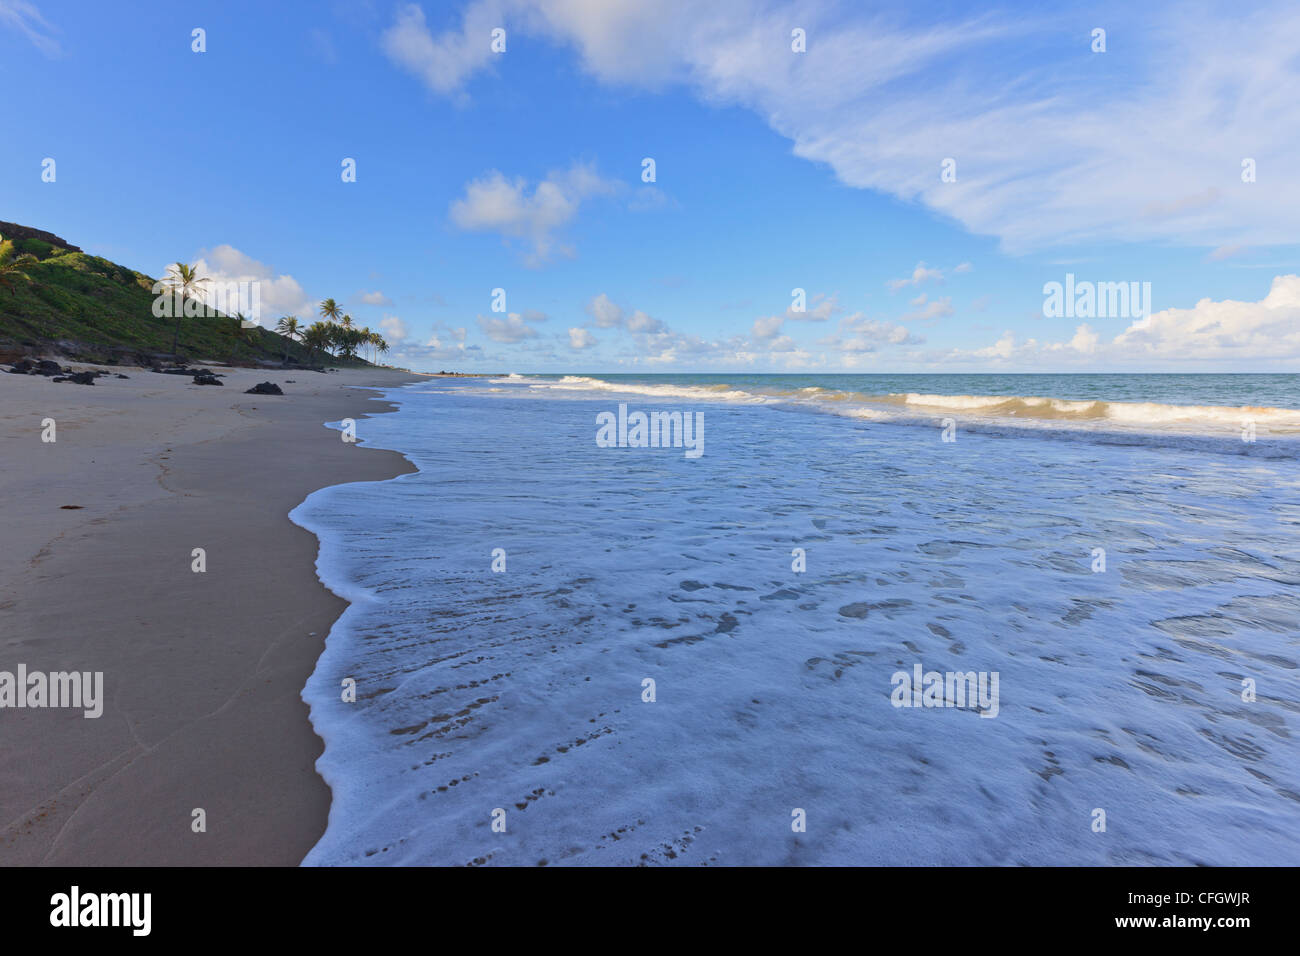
176	332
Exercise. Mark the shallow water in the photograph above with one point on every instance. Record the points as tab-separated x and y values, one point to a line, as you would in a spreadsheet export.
522	691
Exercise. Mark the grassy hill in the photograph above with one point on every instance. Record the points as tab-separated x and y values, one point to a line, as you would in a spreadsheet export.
91	309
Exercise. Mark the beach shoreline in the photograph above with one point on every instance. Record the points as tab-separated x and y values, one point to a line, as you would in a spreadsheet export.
204	753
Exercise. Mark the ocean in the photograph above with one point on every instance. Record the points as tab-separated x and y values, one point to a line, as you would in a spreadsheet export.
566	653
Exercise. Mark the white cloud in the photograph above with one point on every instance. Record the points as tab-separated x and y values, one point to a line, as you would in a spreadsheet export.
767	327
442	62
857	333
920	274
374	298
638	321
1264	330
580	338
1222	333
445	345
512	328
394	328
605	312
609	315
497	204
279	294
1085	340
923	273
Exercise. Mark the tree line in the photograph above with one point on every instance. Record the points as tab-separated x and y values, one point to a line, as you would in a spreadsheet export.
335	333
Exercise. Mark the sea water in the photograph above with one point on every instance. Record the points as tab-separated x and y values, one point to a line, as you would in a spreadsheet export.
1121	553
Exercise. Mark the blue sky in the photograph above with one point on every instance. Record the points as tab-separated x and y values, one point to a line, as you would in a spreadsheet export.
775	170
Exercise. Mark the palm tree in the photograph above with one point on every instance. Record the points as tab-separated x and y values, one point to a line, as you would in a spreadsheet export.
13	264
343	339
186	280
329	310
346	321
288	327
317	336
351	340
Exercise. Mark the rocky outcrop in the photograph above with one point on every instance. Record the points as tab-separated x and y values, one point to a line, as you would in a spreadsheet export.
38	367
264	388
11	230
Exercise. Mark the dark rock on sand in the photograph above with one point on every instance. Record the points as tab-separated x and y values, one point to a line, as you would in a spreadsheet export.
78	378
207	378
264	388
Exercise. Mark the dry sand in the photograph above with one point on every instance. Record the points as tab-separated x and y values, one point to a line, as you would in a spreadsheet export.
202	671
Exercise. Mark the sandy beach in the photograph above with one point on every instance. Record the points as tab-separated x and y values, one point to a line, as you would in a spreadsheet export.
202	671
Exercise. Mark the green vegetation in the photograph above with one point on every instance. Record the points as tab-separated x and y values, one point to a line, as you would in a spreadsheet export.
54	299
13	266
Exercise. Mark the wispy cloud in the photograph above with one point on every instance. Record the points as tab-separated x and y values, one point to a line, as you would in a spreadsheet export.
1065	152
26	19
920	274
923	307
822	308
